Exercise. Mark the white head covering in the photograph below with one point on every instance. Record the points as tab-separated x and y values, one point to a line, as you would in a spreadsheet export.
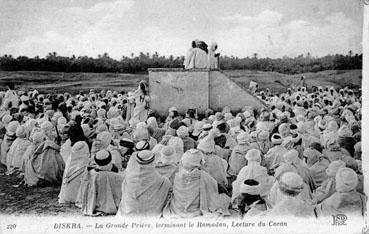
207	144
152	122
283	129
192	159
253	155
197	128
243	138
145	157
86	129
103	160
47	126
346	180
12	127
178	146
168	154
6	119
141	133
105	138
291	184
20	132
38	137
334	167
344	131
182	132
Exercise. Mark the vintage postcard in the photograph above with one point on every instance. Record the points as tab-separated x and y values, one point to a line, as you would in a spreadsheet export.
166	116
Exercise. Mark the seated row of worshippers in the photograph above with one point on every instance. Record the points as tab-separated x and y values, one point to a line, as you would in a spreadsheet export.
300	156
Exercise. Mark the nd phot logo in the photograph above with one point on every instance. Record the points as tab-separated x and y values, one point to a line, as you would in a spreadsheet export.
339	220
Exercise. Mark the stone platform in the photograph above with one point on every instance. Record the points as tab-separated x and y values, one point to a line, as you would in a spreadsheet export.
200	88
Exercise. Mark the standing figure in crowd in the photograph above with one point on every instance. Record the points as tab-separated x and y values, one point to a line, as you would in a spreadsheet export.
140	112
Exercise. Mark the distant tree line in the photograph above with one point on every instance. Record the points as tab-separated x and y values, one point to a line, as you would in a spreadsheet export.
299	64
140	63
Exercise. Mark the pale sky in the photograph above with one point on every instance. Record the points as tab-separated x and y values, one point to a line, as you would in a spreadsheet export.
271	28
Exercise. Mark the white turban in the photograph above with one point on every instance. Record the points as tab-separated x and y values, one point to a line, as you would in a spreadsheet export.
253	155
346	180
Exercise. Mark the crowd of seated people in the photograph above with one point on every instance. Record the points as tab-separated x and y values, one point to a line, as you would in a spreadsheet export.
298	156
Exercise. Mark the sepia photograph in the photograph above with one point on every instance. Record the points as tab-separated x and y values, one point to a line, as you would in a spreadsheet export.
162	116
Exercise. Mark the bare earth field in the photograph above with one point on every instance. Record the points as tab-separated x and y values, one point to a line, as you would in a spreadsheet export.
39	201
278	82
47	82
44	201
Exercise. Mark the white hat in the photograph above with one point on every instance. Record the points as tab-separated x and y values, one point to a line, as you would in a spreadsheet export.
38	137
12	127
168	154
145	157
346	180
291	184
24	98
20	132
197	128
207	144
142	145
253	155
182	131
103	160
334	166
247	114
243	138
192	159
6	119
47	125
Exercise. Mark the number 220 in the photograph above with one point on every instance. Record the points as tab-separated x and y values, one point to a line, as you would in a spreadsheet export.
11	226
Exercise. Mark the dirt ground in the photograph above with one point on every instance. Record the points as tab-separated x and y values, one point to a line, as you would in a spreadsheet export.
41	201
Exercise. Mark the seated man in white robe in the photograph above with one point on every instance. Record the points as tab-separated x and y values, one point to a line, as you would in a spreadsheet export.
317	163
291	157
45	166
346	200
290	204
214	165
100	190
144	190
195	192
274	156
74	168
8	140
237	159
166	164
328	186
189	60
200	58
17	150
253	170
249	201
